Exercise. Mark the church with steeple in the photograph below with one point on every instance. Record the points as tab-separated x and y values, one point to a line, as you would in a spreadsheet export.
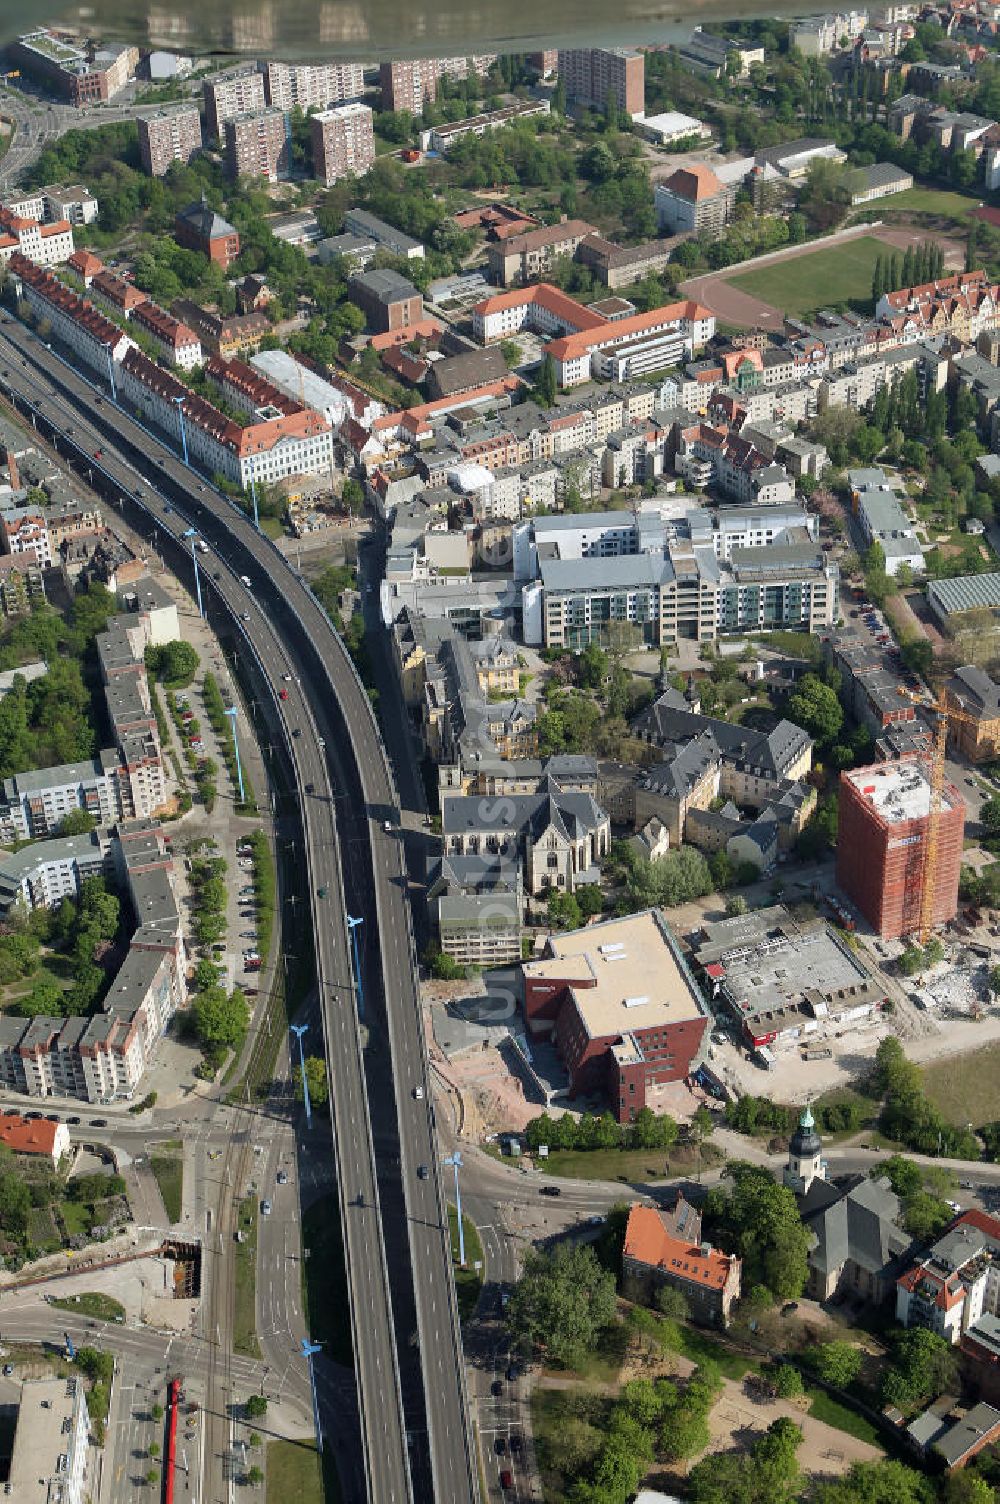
857	1242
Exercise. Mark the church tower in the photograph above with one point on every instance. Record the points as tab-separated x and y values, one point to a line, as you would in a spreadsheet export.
805	1155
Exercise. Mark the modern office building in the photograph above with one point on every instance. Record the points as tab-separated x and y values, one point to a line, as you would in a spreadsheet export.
619	1003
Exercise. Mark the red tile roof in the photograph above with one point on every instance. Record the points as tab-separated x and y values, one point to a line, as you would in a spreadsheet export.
28	1136
649	1241
573	345
557	302
696	183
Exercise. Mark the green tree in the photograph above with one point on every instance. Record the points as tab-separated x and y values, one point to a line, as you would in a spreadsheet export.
255	1476
758	1219
220	1019
547	384
255	1406
839	1363
79	822
175	663
787	1381
923	1365
319	1090
562	1303
815	707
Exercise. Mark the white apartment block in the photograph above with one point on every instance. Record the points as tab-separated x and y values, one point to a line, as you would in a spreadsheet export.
312	86
41	875
44	245
50	1445
24	530
175	341
278	444
75	204
76	322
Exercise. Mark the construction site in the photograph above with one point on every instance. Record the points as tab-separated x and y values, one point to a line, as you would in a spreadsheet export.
899	846
774	978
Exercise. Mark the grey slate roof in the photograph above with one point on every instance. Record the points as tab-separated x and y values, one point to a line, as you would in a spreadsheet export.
859	1224
773	752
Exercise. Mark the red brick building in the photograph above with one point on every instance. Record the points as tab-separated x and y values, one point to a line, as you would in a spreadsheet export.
621	1006
199	228
387	300
882	838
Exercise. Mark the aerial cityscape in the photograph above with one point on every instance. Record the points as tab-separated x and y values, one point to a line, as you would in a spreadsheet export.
500	769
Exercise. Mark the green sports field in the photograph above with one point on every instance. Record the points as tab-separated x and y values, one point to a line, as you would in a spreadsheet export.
818	279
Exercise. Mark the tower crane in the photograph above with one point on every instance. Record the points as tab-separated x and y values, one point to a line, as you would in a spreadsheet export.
947	716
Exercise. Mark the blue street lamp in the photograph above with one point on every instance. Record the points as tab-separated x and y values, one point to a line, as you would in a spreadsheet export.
352	925
298	1030
192	533
232	714
180	417
455	1160
308	1349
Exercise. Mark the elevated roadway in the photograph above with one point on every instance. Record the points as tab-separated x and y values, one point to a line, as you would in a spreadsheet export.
404	1313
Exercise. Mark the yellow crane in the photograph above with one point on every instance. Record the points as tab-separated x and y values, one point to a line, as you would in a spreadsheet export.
947	715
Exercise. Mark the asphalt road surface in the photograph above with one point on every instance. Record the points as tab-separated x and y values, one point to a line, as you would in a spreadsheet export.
237	549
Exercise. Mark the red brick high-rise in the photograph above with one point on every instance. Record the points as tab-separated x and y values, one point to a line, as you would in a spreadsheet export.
882	845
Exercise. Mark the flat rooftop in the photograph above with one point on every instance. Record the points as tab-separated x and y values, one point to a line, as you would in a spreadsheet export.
630	972
773	964
44	1432
899	791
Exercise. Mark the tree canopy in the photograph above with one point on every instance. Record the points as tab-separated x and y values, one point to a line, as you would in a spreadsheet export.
561	1304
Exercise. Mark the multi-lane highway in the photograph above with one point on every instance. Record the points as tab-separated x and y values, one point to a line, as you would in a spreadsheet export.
329	724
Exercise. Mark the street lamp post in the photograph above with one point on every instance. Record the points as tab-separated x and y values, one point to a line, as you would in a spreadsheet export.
298	1030
308	1349
180	418
352	925
232	714
192	533
455	1160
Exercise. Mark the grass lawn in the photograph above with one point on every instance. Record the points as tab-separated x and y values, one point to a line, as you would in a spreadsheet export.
940	201
168	1172
629	1165
324	1280
293	1471
92	1303
245	1299
966	1088
824	1407
467	1282
801	284
77	1218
